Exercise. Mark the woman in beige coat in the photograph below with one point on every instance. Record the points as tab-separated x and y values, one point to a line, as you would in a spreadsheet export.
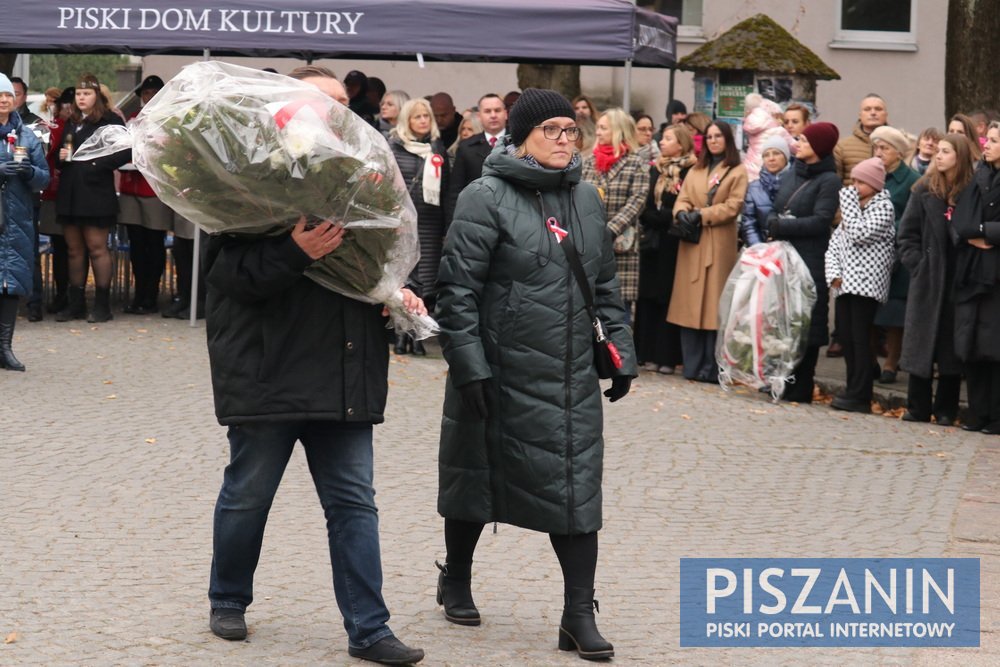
713	193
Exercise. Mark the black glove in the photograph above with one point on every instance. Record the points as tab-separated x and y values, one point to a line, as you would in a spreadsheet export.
22	169
474	399
620	384
695	217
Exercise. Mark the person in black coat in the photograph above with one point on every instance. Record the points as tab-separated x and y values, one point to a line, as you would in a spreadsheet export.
976	222
87	203
472	152
292	361
926	248
658	342
417	147
803	213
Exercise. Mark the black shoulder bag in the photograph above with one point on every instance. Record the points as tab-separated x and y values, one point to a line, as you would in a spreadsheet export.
606	357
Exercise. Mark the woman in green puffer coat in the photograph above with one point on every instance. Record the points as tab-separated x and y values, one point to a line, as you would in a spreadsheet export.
521	435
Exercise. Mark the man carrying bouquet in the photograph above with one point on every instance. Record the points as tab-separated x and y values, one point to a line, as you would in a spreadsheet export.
293	361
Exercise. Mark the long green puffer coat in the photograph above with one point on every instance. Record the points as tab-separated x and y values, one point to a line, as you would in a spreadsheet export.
512	314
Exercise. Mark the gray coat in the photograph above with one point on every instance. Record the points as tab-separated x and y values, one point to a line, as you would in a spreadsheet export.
512	314
925	247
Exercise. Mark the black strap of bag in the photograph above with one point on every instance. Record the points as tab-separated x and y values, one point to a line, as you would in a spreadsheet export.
715	188
606	357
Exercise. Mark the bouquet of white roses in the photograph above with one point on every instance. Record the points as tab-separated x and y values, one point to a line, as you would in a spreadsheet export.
764	316
241	151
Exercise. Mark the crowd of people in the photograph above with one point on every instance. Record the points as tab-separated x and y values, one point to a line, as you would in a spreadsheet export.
541	221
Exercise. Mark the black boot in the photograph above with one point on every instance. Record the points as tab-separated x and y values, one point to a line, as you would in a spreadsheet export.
400	347
455	593
418	348
102	306
578	629
76	306
8	318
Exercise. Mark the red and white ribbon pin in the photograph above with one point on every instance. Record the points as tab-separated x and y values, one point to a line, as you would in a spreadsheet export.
554	227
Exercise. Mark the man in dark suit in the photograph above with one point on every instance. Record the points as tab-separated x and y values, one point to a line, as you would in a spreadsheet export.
473	151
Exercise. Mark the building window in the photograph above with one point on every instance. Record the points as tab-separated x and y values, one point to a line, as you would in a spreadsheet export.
687	12
876	24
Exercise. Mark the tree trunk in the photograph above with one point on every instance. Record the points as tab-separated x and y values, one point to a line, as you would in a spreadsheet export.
564	78
971	55
7	62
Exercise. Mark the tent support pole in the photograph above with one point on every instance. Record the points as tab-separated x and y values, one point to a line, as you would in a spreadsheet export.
670	93
627	91
196	264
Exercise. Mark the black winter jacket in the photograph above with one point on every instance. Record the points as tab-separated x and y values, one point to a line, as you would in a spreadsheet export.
657	249
977	280
810	194
512	314
281	346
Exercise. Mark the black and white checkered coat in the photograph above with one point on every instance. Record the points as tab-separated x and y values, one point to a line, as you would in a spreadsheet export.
862	249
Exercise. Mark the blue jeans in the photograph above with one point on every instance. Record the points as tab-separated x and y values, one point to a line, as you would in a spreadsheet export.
340	461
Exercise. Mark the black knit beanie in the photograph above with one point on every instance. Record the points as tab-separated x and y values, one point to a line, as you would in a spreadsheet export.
535	106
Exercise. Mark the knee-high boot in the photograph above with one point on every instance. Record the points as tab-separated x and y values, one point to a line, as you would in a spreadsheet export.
8	318
455	593
578	628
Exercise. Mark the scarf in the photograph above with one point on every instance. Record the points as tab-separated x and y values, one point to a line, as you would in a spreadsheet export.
432	169
771	182
670	179
530	160
605	158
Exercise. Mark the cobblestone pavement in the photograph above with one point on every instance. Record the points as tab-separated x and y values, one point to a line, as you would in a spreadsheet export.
110	462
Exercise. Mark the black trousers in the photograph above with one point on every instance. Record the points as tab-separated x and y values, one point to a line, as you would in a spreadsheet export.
656	340
855	318
945	402
698	351
184	261
983	381
148	258
801	391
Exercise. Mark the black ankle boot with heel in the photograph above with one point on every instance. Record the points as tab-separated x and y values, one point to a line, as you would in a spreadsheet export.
578	628
454	592
8	319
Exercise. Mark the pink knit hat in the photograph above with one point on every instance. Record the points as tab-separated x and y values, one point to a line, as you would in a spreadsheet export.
870	171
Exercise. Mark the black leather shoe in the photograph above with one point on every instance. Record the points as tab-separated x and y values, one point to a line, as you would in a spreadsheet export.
388	651
910	417
887	377
418	348
993	428
228	624
944	420
851	405
973	425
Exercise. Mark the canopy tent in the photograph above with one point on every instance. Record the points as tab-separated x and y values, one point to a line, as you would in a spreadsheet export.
597	32
591	32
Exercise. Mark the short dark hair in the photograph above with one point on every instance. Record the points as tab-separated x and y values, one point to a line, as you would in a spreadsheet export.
488	96
731	158
17	79
795	106
309	71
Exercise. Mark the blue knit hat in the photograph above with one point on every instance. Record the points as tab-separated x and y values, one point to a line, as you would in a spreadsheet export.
5	85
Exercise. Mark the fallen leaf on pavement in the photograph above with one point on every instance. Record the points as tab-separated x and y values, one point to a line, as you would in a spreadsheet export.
108	382
685	416
142	330
150	441
11	638
111	397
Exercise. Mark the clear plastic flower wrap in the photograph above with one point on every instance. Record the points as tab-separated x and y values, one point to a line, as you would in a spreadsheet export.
241	151
764	316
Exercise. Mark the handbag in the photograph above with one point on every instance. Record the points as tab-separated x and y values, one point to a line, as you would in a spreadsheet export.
607	360
688	227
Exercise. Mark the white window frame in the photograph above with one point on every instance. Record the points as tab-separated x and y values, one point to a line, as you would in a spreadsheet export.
692	33
875	40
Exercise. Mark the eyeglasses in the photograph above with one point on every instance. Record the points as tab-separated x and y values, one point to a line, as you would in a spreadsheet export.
553	132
